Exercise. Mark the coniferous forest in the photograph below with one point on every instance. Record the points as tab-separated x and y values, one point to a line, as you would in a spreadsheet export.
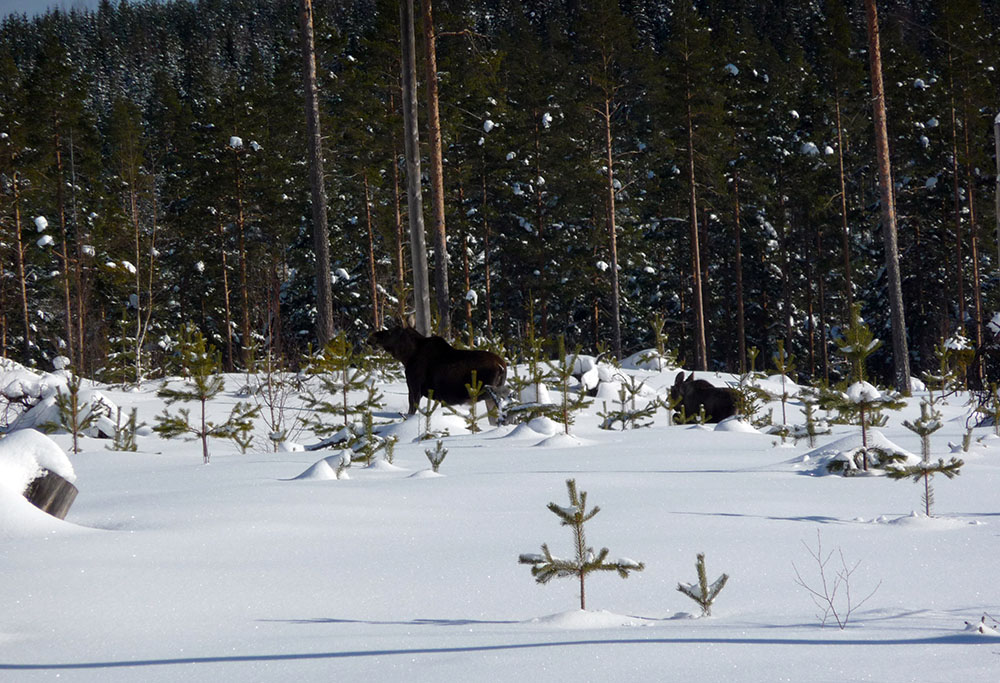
606	165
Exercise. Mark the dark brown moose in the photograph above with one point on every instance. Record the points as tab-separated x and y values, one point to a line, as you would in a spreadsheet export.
694	393
434	365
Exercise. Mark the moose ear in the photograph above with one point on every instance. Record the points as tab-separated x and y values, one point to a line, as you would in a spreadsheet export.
679	379
409	321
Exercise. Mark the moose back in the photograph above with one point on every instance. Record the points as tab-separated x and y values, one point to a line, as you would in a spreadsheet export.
433	365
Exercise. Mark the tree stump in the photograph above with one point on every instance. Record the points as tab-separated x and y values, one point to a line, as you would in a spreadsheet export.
51	493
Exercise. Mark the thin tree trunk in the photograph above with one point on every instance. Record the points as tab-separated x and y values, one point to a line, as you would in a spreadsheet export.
371	255
487	271
321	238
996	193
900	350
418	252
824	353
701	352
956	198
400	256
21	270
613	233
64	254
977	293
225	298
741	332
845	228
436	172
81	299
242	253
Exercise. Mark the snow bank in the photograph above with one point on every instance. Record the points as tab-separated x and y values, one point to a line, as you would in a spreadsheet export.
586	619
735	424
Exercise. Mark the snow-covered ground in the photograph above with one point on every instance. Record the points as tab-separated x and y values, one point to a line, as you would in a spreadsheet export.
241	570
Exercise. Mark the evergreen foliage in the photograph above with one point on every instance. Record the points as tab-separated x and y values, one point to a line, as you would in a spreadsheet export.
203	384
703	593
590	148
546	566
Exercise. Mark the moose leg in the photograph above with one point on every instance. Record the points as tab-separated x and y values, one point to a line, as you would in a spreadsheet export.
493	407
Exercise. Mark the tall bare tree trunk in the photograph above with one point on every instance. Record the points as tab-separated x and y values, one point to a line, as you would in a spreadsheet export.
64	253
741	331
400	258
438	233
616	324
845	230
487	271
418	251
977	292
371	255
700	345
227	311
996	194
81	298
321	238
22	276
900	350
242	248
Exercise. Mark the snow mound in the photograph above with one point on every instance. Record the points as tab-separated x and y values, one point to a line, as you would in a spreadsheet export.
24	454
772	385
413	427
562	440
735	424
586	619
380	465
426	474
325	469
918	520
535	393
650	359
819	459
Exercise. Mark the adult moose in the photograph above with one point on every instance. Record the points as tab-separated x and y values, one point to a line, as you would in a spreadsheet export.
434	365
694	393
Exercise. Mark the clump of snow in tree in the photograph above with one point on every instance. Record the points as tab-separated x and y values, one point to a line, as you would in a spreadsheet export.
731	69
200	266
546	120
488	125
472	297
511	156
602	266
342	274
127	265
255	147
88	250
236	142
41	223
931	182
932	123
863	392
919	84
810	149
44	241
925	142
957	343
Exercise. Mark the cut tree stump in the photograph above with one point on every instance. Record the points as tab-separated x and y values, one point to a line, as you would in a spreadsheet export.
51	493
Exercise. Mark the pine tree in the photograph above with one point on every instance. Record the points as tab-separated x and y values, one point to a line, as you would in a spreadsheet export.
545	567
702	593
203	385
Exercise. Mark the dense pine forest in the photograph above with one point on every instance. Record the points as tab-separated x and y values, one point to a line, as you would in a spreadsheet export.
154	173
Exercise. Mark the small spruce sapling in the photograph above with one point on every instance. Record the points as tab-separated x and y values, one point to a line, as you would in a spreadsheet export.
203	384
75	417
784	363
628	412
437	455
340	370
703	593
125	434
545	567
928	423
563	369
813	427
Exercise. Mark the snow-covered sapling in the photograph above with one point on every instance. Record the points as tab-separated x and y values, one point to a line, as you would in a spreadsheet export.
563	368
125	434
74	417
813	427
703	593
784	363
928	423
437	455
204	384
545	566
865	403
628	413
340	370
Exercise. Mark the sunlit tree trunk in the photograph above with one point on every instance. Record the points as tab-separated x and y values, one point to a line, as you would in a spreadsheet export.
900	350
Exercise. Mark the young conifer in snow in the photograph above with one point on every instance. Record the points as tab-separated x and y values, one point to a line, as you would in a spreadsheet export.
563	368
703	593
784	363
203	362
125	433
74	417
928	423
628	412
437	455
545	567
340	370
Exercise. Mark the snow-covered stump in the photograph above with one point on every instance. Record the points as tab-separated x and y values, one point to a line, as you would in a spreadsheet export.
52	494
33	465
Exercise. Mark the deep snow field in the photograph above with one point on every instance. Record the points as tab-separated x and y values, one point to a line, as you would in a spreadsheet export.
167	569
